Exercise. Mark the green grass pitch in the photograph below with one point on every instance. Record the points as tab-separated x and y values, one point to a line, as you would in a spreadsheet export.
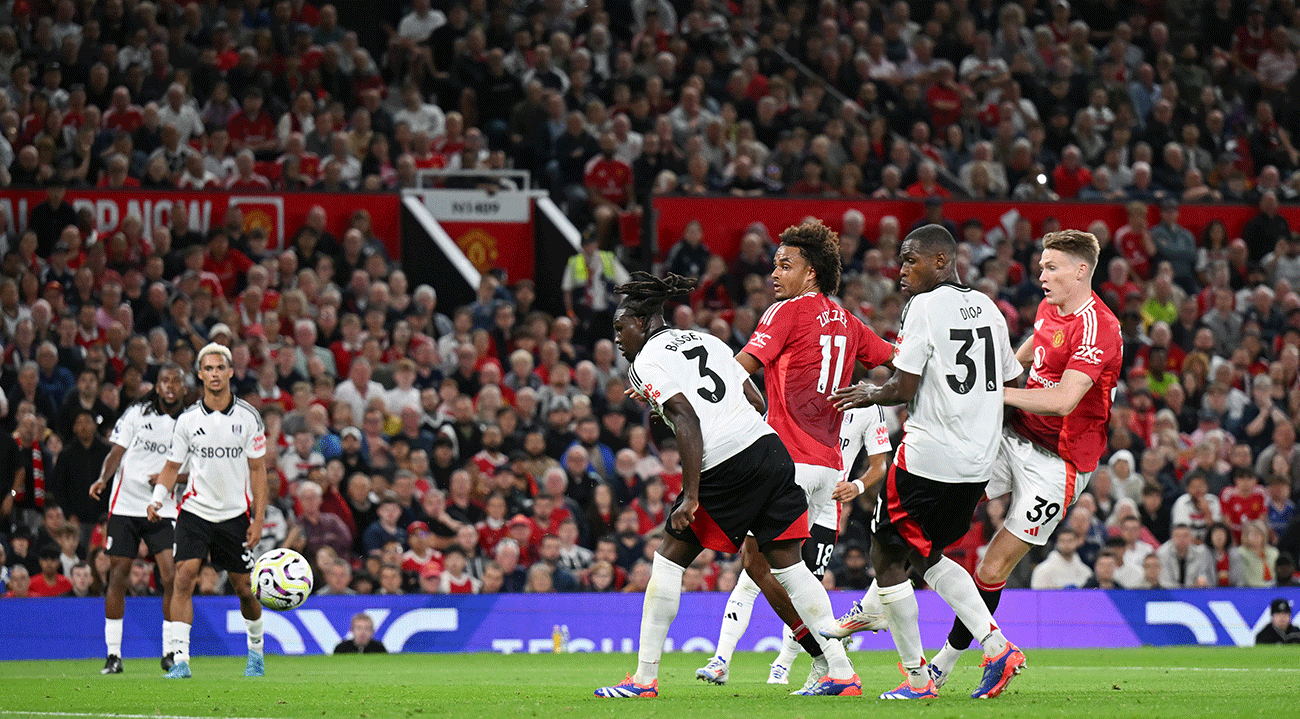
1152	683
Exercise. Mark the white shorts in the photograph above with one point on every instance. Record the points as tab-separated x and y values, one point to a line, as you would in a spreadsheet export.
819	483
1042	485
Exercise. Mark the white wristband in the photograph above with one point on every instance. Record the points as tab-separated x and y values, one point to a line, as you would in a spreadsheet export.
160	494
862	488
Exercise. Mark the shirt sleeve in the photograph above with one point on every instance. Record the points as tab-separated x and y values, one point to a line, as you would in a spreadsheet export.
124	430
1098	348
872	350
771	334
256	443
655	382
179	452
914	342
877	439
1011	367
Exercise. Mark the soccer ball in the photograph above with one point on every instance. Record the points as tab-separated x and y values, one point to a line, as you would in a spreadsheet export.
282	579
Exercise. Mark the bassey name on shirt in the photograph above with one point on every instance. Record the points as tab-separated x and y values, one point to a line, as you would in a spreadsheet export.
219	452
681	340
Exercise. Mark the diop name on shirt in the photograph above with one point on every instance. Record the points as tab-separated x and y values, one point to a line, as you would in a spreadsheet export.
219	452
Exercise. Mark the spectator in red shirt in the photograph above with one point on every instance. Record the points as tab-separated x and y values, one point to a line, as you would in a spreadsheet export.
927	182
116	177
1243	501
49	583
122	115
1071	175
421	555
609	184
945	96
493	529
246	177
228	264
251	128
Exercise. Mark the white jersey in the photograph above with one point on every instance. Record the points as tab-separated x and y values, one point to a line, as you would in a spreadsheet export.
862	428
146	439
956	340
701	368
218	445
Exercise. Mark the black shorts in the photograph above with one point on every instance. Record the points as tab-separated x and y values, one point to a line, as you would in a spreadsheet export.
753	492
924	514
125	533
197	538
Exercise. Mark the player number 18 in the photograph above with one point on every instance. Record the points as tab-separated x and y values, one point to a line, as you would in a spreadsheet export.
824	377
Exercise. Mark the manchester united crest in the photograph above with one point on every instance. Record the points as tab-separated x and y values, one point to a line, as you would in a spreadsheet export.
1058	339
480	248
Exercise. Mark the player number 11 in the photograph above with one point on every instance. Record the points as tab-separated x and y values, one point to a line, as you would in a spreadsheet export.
824	377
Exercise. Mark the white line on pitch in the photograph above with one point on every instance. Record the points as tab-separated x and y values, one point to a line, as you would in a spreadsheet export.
1174	669
117	715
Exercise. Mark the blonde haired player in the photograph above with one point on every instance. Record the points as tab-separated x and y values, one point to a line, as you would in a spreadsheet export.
221	512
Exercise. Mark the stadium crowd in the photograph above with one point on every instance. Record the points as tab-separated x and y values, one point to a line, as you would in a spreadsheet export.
490	447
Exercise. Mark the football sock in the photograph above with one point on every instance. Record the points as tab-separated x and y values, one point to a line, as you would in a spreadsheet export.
899	602
662	596
871	600
802	638
181	641
960	637
946	659
735	618
814	606
166	637
790	645
254	628
113	636
957	588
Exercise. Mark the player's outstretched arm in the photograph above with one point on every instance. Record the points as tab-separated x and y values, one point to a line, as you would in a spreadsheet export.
900	388
1025	355
257	482
749	362
111	463
162	488
690	446
1055	401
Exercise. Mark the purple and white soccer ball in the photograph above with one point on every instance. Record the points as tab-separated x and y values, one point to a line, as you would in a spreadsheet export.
282	579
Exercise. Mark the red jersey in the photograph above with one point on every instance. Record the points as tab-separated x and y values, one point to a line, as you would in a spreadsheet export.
488	536
1088	340
610	178
40	588
128	120
246	130
1132	247
1240	508
228	270
807	345
413	563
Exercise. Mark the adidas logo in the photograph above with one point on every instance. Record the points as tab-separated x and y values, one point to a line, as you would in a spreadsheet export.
148	425
200	432
732	616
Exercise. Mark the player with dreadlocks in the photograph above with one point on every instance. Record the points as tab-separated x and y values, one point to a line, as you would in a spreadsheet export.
140	441
737	477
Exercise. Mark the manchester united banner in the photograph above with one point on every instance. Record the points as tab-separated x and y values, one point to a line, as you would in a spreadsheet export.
279	215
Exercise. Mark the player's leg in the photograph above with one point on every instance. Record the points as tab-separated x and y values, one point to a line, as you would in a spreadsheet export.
160	538
121	545
810	600
230	554
1003	554
818	483
796	632
662	597
187	575
119	572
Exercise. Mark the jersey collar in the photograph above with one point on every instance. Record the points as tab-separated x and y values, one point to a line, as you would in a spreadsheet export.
229	409
1091	301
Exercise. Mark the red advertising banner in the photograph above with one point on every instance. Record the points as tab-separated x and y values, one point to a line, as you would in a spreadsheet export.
279	214
726	218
